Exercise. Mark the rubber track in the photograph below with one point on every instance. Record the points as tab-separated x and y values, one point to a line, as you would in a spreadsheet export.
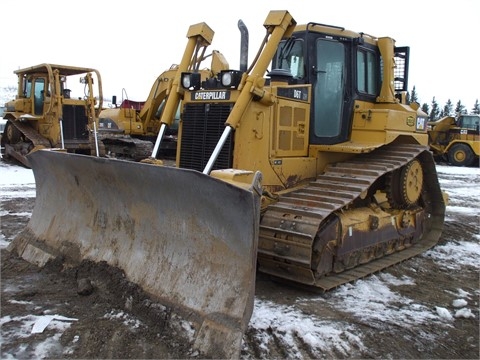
337	187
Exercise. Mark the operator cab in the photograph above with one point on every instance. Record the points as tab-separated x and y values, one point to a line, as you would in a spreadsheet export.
342	67
469	122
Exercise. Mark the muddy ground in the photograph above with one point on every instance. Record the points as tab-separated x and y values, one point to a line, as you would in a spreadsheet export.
116	320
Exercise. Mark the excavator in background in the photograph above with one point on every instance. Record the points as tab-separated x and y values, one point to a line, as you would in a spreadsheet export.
315	172
456	140
45	115
129	131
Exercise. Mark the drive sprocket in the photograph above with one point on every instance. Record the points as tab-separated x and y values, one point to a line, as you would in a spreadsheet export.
404	185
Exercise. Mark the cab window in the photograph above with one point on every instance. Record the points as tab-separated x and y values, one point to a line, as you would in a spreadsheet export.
39	95
367	81
290	57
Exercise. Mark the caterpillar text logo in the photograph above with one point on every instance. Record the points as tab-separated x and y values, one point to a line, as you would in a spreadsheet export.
211	95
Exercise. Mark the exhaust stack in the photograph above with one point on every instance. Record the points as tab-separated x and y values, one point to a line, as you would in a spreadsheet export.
243	46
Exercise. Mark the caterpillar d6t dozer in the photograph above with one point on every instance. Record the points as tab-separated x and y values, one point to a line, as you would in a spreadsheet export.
46	114
315	172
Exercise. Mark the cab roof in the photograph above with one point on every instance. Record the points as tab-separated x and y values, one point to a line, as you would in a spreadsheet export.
63	69
335	31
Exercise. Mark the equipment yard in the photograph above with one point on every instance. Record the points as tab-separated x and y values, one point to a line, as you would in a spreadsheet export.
316	173
425	307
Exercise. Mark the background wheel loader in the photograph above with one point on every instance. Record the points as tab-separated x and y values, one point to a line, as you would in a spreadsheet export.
45	114
456	140
317	174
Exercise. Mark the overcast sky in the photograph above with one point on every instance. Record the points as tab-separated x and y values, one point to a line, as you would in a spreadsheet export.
132	42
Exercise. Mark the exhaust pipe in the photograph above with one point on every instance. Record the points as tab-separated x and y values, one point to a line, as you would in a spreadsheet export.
243	46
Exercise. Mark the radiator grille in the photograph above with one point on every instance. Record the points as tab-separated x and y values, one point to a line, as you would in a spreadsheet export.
202	127
74	122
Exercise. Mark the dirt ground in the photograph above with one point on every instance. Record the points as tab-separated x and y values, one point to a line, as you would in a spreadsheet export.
116	320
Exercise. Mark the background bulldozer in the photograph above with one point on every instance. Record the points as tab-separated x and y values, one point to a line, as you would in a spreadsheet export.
313	171
46	114
456	140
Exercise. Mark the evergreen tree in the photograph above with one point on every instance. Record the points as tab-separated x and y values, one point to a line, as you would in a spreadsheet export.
447	109
414	96
476	108
460	108
435	111
426	108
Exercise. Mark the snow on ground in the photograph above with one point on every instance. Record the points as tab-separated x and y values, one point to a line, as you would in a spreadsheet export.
289	324
373	300
26	326
455	255
3	242
16	181
463	185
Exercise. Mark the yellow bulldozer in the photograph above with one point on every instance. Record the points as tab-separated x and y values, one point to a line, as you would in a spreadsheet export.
306	165
45	114
456	140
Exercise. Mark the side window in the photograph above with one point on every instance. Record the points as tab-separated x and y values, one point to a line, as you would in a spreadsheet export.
290	57
27	88
367	79
469	122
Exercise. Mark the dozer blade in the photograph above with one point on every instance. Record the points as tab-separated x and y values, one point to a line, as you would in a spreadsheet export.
188	239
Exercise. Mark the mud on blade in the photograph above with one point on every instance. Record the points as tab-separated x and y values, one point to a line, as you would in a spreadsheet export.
172	231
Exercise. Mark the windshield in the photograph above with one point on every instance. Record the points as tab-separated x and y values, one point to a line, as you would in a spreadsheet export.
289	57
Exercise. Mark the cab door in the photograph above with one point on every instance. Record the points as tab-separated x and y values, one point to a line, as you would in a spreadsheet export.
331	113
